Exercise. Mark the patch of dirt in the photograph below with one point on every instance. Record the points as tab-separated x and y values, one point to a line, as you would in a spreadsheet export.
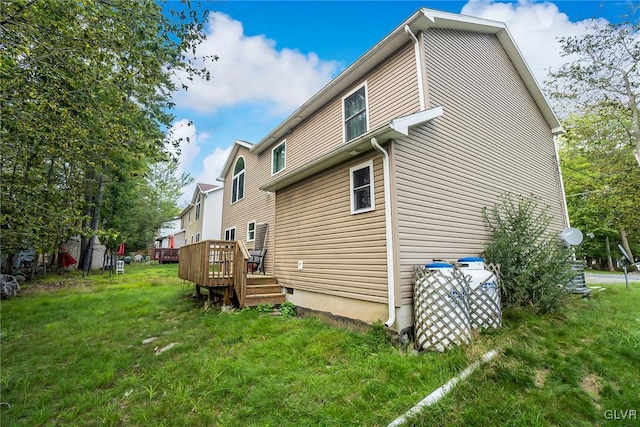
69	282
541	376
591	384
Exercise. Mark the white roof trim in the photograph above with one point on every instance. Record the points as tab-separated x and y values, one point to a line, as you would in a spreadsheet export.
396	128
419	21
402	124
232	154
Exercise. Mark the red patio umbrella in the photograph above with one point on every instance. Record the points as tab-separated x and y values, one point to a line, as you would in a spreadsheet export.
121	249
171	242
66	259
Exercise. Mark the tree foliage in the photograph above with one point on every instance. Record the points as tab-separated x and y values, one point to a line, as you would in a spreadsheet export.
535	267
85	92
601	181
603	75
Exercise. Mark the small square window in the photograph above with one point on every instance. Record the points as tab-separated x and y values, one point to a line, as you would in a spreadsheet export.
362	191
279	158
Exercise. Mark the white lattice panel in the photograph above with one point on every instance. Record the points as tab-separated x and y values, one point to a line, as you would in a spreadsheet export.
441	310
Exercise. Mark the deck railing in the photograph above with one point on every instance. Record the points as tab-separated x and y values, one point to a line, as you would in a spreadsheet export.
165	254
215	264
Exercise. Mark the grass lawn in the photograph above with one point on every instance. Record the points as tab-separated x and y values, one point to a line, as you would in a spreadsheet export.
74	355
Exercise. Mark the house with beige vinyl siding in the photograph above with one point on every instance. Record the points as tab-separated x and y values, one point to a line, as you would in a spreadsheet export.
390	164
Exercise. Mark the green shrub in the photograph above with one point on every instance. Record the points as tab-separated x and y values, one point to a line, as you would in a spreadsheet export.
265	308
535	266
288	309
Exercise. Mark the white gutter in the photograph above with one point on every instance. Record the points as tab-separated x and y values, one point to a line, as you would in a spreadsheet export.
564	194
391	288
416	49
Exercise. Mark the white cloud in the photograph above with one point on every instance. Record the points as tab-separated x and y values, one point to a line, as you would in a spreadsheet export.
252	70
212	166
184	132
535	27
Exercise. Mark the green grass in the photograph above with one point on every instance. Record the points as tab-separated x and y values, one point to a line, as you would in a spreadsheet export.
570	369
72	354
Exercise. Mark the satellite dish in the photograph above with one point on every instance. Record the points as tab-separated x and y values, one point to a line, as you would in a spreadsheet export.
571	236
625	254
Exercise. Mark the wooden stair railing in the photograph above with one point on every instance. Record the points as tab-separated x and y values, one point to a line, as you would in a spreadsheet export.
241	256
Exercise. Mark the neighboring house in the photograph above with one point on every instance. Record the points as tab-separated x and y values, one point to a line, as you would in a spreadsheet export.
171	229
391	164
201	219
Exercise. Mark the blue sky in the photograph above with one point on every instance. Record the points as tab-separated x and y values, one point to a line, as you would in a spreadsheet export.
276	55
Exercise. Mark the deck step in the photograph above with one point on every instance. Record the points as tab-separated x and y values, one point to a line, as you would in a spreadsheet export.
257	299
263	289
261	280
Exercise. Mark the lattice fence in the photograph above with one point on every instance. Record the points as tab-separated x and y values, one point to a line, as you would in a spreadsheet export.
448	306
484	301
441	309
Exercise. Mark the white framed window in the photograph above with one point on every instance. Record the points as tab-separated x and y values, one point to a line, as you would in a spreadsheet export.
355	113
251	231
279	157
198	207
362	191
237	185
230	234
197	237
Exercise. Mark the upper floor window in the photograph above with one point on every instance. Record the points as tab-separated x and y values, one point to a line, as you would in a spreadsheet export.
356	121
237	186
198	207
197	237
279	158
362	192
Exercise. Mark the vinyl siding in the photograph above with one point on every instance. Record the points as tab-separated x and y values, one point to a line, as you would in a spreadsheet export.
213	212
343	254
257	205
192	227
392	91
491	139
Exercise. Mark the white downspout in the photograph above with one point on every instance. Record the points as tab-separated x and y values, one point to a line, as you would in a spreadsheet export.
391	287
416	49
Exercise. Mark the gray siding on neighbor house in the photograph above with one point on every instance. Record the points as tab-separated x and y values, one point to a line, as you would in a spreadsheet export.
392	91
491	139
257	205
342	254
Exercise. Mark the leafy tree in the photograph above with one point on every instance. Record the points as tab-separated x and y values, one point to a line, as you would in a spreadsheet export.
534	266
85	92
601	181
603	76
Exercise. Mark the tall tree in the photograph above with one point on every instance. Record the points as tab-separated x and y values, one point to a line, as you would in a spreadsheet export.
601	180
85	92
603	76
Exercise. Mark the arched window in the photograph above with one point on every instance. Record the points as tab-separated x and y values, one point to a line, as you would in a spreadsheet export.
237	189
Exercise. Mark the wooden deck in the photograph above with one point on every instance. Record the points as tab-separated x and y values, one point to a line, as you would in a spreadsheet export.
221	268
165	255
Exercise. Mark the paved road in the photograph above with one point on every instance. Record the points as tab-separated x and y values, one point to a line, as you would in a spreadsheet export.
600	279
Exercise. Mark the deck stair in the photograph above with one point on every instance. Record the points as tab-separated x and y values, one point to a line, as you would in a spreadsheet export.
262	289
